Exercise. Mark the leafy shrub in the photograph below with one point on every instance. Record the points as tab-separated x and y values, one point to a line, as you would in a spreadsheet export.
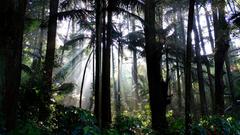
130	126
212	125
216	125
176	127
74	121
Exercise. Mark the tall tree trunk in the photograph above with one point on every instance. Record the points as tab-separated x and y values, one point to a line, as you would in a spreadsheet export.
221	33
135	78
114	80
83	79
181	35
203	101
106	99
91	98
179	92
118	101
99	23
135	69
211	87
49	61
157	87
188	80
11	30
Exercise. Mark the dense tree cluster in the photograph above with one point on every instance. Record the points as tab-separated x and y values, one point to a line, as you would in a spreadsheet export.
137	66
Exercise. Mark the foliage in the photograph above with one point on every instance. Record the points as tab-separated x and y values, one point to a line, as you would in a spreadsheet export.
216	125
31	24
27	127
127	125
212	125
73	121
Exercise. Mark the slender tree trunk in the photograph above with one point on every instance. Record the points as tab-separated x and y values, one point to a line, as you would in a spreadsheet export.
135	77
221	41
106	99
204	110
118	101
179	92
83	79
188	81
49	61
11	30
114	80
211	87
135	69
91	98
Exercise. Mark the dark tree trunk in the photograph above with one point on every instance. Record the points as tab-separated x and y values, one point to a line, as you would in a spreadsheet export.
135	78
99	19
157	87
11	30
49	61
221	41
203	101
179	92
83	79
188	57
135	69
106	99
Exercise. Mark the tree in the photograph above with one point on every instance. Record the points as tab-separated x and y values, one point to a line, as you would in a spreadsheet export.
99	19
49	60
187	71
106	99
157	87
12	26
203	101
206	61
221	33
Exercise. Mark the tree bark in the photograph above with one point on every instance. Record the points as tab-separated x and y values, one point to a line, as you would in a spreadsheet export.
49	61
157	87
106	99
99	23
204	110
188	57
11	30
221	33
83	79
118	101
211	87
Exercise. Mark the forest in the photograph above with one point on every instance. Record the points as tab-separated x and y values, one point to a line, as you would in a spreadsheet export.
120	67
